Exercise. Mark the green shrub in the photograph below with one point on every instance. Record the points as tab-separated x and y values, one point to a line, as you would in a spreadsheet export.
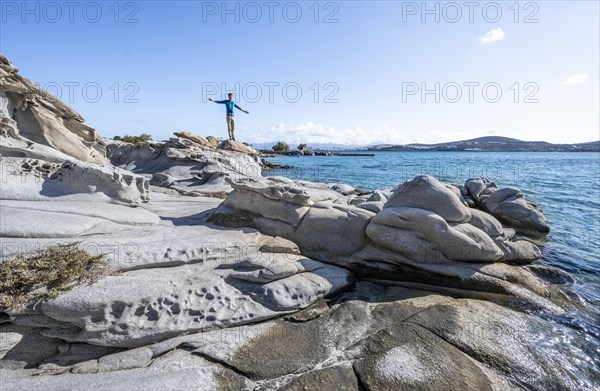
281	147
134	139
54	270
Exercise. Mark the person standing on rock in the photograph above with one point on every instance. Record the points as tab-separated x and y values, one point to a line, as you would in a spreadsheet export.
229	105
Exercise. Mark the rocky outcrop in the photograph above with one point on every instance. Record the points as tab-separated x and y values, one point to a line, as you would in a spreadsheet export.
177	274
197	139
235	146
426	192
423	234
145	306
39	180
185	165
312	216
508	205
373	337
283	285
36	125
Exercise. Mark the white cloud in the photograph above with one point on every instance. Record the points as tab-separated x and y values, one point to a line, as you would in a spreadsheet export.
314	133
311	132
492	36
576	79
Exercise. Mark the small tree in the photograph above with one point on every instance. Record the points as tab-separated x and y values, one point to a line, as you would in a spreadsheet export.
134	139
301	147
281	146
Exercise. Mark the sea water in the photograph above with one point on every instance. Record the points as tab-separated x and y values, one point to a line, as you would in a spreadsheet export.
566	185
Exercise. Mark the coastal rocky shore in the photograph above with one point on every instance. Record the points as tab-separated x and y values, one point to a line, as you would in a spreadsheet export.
226	279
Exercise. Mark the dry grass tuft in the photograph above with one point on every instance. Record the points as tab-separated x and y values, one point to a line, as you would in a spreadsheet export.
56	269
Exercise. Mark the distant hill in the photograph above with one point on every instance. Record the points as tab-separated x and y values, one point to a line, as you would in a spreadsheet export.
314	146
487	143
493	144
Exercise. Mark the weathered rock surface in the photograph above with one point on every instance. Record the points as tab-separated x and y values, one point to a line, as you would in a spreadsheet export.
236	146
426	192
469	252
145	306
259	292
34	124
174	371
382	337
38	180
197	139
231	277
426	237
169	230
508	205
185	165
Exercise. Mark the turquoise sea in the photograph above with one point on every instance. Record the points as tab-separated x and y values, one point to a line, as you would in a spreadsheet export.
565	185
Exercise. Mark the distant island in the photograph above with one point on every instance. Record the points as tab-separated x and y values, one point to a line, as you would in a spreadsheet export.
480	144
492	144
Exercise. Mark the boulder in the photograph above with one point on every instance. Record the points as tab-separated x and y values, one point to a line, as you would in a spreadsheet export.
456	190
372	206
518	251
501	339
485	222
329	231
424	236
197	139
167	231
213	141
252	201
392	338
414	243
375	335
508	205
476	186
174	371
128	359
286	281
426	192
377	196
512	286
235	146
338	192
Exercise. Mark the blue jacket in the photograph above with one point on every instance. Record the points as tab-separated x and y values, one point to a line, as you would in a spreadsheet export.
229	105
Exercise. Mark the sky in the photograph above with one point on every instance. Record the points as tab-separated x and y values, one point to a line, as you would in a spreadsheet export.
345	72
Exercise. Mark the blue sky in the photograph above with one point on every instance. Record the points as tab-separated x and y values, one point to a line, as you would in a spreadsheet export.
359	66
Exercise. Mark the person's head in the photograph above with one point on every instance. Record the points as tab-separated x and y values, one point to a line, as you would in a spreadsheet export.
230	96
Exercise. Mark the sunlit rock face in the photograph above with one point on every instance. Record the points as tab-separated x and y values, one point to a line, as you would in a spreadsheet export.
222	279
35	124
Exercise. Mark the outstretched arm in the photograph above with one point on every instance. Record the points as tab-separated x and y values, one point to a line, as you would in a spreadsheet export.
217	101
240	109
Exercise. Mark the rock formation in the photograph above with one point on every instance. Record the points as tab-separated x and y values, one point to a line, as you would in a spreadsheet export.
422	235
34	124
507	204
281	285
187	163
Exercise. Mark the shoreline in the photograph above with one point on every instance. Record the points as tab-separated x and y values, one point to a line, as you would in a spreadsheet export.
221	276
